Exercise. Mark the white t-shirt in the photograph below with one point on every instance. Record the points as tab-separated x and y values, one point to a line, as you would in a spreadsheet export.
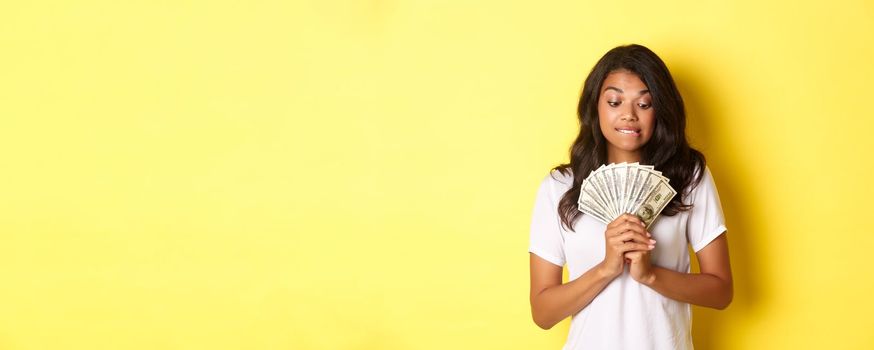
626	314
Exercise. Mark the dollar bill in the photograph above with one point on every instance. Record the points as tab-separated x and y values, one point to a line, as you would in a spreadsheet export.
592	186
633	179
611	187
600	184
614	189
621	176
591	199
589	205
646	185
655	202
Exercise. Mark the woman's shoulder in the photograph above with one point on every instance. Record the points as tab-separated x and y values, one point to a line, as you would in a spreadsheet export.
561	177
702	180
706	176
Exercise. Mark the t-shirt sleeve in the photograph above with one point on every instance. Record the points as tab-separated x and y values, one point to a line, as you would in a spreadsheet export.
546	240
706	221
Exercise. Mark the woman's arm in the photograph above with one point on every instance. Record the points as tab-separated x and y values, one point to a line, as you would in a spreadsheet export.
711	288
552	301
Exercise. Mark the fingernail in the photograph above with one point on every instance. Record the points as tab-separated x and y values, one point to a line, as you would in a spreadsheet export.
651	246
652	241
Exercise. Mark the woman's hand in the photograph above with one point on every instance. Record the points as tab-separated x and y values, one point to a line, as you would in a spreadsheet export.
625	234
640	268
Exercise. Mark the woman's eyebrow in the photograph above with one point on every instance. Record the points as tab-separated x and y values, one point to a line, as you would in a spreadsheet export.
644	91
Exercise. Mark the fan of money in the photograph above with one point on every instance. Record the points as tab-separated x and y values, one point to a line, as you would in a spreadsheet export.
615	189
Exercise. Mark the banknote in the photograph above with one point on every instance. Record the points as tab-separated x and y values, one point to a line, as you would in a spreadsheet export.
652	206
617	188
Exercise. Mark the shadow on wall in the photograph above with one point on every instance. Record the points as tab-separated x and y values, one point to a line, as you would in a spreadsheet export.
709	325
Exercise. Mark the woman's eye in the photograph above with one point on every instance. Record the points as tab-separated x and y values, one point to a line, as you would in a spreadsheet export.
644	105
612	103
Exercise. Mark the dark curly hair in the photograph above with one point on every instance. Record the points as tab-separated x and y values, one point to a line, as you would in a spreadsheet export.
668	150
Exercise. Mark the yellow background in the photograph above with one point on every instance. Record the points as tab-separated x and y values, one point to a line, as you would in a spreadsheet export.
361	174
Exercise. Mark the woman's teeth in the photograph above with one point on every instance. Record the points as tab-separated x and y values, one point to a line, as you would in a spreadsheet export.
627	131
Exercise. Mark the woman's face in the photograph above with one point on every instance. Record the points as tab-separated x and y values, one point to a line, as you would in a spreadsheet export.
626	116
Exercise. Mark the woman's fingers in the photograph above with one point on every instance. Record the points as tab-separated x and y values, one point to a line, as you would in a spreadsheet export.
630	241
623	219
631	246
626	233
626	222
632	236
634	255
626	227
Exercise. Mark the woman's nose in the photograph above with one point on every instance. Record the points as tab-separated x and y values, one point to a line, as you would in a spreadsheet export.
628	112
630	116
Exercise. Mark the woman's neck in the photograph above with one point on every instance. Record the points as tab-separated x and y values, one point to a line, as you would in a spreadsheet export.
620	157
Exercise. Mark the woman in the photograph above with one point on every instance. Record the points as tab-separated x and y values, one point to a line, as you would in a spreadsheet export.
629	287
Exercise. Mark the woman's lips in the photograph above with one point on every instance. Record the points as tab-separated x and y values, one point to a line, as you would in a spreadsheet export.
629	131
